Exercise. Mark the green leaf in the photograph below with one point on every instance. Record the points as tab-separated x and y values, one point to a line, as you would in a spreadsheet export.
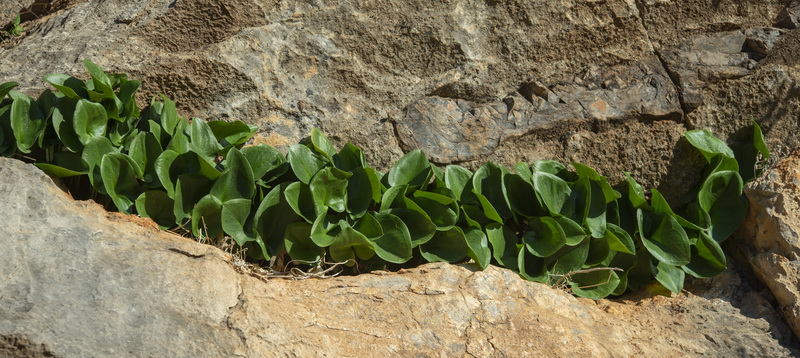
64	124
329	188
721	196
169	116
552	190
670	276
488	181
478	247
233	133
99	78
363	189
569	258
594	285
573	232
207	217
544	236
304	162
90	120
189	189
349	244
120	173
532	268
349	158
237	221
299	197
395	244
619	240
522	198
274	214
322	144
758	140
636	193
660	205
70	86
237	182
92	155
667	241
156	205
144	150
595	218
203	141
708	259
442	210
599	252
446	246
7	87
262	159
58	171
456	178
412	169
27	121
709	145
504	245
420	227
586	172
299	245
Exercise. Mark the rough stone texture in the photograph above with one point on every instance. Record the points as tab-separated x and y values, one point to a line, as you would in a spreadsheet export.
468	81
772	231
78	281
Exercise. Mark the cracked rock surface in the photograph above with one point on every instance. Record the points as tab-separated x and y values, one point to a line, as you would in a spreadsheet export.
467	81
79	281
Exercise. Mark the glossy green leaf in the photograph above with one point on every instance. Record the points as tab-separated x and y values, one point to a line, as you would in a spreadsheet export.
670	276
299	245
274	214
708	259
350	244
363	189
446	246
304	162
573	232
27	121
120	173
262	159
420	227
488	181
145	150
442	210
203	141
636	193
64	124
156	205
298	196
5	88
660	205
709	145
207	217
758	140
569	259
504	245
552	190
544	236
456	178
237	182
412	169
478	247
92	155
169	116
721	196
329	188
395	244
189	189
619	240
532	268
232	133
322	144
349	158
666	241
586	172
594	285
237	221
523	199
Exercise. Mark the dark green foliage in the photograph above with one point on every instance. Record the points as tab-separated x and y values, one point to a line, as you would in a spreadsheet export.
542	220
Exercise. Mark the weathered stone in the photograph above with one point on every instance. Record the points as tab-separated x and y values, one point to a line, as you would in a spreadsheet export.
772	231
716	58
789	18
78	281
454	130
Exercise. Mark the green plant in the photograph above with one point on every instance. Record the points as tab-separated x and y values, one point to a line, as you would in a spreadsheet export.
15	29
317	203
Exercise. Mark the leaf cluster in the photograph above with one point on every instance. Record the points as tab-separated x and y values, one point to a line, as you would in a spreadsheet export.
543	220
13	30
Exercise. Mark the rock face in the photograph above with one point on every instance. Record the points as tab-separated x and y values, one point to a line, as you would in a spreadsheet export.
772	232
79	281
611	84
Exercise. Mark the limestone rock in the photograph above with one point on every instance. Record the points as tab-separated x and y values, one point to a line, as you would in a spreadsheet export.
772	231
78	281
